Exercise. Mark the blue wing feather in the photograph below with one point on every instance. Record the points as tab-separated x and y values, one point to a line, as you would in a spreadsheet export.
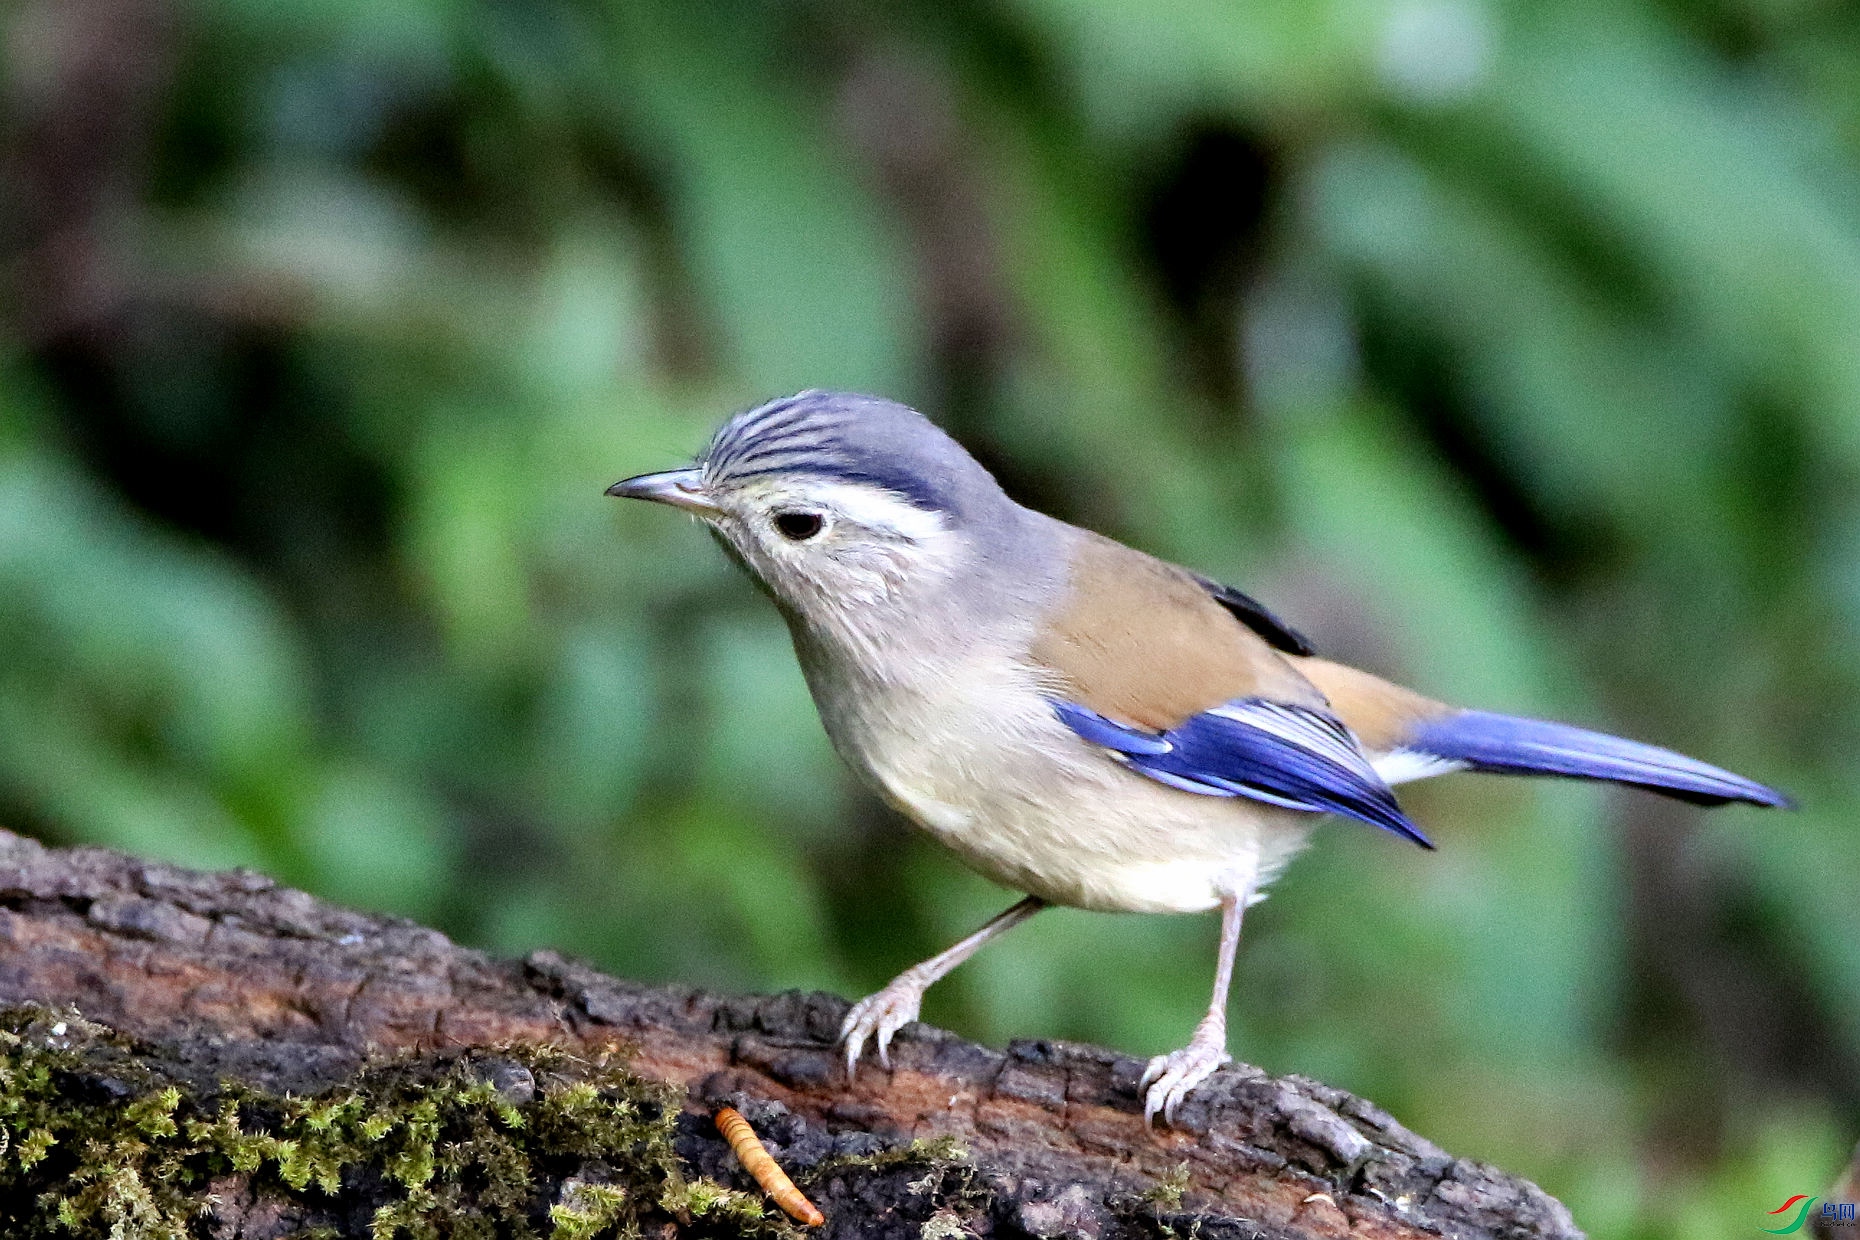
1509	745
1095	728
1273	752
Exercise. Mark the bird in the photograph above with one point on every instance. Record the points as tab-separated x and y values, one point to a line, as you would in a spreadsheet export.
1077	720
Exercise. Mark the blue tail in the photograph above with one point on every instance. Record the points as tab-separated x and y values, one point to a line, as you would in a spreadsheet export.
1507	745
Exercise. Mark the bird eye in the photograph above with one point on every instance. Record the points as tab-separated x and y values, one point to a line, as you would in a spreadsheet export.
799	526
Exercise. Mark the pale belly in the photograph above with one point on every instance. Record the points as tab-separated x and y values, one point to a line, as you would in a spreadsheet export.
1029	805
1135	851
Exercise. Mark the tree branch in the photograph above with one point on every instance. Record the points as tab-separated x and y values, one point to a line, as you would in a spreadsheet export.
228	982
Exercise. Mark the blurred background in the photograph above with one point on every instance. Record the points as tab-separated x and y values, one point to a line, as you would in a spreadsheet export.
1510	350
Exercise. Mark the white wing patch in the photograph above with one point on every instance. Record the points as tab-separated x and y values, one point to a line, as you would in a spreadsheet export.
1402	766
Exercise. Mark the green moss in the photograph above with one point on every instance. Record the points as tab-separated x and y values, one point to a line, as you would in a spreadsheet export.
587	1210
936	1154
100	1143
944	1225
704	1199
936	1175
1166	1193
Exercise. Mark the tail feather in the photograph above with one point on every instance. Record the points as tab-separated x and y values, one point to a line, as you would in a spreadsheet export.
1505	744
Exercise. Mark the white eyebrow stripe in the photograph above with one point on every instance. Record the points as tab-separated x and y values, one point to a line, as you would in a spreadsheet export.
875	507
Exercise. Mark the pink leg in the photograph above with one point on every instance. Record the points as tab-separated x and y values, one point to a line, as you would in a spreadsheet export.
897	1004
1169	1078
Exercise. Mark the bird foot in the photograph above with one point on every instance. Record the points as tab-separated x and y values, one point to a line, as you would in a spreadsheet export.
879	1016
1169	1078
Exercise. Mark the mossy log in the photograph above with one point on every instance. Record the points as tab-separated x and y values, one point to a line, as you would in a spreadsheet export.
214	1055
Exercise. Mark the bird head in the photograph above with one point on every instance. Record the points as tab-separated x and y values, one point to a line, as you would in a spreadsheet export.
850	511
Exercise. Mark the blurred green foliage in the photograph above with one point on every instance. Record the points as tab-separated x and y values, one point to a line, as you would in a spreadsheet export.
1511	350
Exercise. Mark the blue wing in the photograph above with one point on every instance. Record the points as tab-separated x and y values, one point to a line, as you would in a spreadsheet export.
1508	745
1274	752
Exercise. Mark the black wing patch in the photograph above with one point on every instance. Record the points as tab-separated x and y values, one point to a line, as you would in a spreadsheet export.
1252	613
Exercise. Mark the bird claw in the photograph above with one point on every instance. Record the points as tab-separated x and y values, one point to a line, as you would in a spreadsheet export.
1169	1078
878	1017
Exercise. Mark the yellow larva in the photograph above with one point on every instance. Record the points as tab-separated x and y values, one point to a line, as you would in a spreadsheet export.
757	1162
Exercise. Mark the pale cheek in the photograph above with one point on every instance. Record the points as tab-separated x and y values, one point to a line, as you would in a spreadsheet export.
835	573
859	578
841	583
756	558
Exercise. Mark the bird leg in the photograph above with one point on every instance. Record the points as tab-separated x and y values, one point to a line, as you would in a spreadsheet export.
1170	1077
888	1011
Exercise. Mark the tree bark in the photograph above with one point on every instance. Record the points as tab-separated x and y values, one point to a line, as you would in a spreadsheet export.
227	989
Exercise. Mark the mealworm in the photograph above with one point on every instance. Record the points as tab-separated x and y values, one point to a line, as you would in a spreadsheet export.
759	1163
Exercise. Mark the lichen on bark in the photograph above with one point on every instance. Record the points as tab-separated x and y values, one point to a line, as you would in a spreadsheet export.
110	1138
105	1136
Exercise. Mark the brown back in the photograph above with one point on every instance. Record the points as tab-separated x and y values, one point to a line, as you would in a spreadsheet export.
1141	642
1381	714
